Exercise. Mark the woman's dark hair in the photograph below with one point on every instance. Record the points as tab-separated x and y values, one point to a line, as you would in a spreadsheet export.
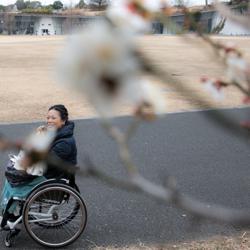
62	111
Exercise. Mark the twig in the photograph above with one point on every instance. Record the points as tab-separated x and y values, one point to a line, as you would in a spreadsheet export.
122	142
194	207
170	194
216	46
216	116
88	170
132	128
137	183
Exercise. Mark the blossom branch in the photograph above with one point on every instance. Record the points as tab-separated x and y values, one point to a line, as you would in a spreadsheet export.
137	183
230	64
169	195
117	71
217	116
132	128
245	91
194	207
122	141
238	70
88	170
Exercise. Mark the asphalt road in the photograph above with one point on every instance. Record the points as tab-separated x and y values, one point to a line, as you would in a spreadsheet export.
208	161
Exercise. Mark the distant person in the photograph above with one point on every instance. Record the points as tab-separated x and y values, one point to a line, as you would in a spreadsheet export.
20	180
64	145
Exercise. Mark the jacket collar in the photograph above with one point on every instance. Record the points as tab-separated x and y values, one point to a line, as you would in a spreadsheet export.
66	131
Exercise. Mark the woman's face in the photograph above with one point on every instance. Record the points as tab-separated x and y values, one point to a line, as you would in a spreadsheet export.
54	119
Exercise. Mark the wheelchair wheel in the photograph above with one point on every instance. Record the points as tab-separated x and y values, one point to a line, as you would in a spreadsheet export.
63	221
41	207
54	215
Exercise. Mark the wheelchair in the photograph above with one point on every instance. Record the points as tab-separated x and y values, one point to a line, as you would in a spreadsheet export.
53	214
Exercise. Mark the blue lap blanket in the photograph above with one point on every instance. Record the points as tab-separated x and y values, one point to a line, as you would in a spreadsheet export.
20	191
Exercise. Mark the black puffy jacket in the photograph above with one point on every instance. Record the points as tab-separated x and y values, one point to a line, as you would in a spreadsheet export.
63	146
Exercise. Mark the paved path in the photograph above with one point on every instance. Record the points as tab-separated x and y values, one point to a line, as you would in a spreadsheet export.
209	163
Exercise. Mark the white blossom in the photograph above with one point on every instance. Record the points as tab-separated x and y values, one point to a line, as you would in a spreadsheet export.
40	142
213	89
134	15
101	64
153	96
122	16
156	5
238	69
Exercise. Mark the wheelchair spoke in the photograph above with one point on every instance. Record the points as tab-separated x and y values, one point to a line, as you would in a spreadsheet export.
55	216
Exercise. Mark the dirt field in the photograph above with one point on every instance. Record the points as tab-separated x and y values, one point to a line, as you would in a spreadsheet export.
28	85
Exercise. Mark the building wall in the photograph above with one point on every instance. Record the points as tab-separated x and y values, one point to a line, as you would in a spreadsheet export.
230	28
174	23
209	20
177	22
44	26
25	24
58	25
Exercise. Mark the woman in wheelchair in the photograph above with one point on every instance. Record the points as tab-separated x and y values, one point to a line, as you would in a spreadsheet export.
22	182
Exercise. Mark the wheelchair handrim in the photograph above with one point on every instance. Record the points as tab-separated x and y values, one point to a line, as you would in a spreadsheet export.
62	188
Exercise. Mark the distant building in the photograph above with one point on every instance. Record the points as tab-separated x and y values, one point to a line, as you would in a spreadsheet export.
45	26
58	24
210	21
